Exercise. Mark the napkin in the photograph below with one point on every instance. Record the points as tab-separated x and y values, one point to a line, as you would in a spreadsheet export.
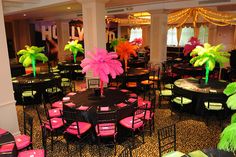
70	104
65	99
133	95
121	105
82	108
131	100
71	94
197	153
104	108
124	90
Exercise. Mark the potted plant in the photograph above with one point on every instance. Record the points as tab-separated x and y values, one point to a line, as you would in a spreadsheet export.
102	64
124	49
209	55
30	55
74	47
228	136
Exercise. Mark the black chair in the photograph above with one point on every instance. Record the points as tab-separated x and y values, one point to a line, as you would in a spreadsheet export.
126	152
106	127
24	141
77	130
55	88
180	100
215	105
167	141
154	74
55	126
93	83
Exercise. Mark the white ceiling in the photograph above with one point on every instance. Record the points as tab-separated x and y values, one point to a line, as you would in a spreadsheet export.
54	9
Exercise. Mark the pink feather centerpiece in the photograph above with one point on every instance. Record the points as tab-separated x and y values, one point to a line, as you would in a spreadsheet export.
192	44
102	64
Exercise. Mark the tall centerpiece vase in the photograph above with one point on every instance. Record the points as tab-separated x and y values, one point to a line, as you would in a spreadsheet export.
101	89
126	64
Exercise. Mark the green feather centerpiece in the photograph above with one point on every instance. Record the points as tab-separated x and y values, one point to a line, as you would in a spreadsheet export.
209	55
228	136
30	55
74	47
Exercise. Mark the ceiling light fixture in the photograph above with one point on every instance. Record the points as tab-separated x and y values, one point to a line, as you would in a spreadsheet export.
68	8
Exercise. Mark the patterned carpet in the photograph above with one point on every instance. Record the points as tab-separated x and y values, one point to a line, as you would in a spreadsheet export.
192	134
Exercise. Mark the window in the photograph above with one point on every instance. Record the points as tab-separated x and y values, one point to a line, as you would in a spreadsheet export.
172	37
203	34
135	33
187	33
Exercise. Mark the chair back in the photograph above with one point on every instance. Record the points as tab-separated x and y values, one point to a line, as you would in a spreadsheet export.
107	119
167	139
93	83
141	110
44	140
126	152
28	125
71	116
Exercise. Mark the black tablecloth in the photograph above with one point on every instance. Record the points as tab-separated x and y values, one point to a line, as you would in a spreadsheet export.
39	83
186	69
136	63
217	153
196	89
112	97
71	66
5	139
17	70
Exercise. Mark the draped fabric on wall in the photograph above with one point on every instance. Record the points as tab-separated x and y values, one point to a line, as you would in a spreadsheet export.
179	32
135	33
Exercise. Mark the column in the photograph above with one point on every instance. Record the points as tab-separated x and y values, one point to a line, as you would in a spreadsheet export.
94	25
8	116
212	34
158	37
63	36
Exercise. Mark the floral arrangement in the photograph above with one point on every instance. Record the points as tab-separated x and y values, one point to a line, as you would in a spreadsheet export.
74	47
115	42
102	64
228	136
209	55
124	49
30	55
137	41
192	44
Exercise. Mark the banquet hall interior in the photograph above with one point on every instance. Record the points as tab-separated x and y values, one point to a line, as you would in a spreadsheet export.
135	78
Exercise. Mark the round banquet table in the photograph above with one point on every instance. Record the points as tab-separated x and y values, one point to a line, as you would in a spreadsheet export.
198	91
186	69
6	138
217	153
139	63
69	65
112	98
40	83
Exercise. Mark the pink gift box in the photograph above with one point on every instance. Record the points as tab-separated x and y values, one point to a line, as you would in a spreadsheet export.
82	108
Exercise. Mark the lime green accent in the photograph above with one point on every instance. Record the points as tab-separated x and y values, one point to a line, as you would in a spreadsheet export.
182	100
13	78
65	80
34	66
64	71
169	86
47	79
207	72
57	76
65	84
15	81
213	106
174	154
78	71
166	92
197	153
28	93
53	90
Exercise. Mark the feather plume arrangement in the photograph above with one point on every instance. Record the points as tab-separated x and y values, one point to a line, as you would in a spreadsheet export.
137	41
74	47
125	49
192	44
102	64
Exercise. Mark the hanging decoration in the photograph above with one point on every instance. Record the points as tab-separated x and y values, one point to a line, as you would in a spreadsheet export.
102	64
30	55
209	55
179	18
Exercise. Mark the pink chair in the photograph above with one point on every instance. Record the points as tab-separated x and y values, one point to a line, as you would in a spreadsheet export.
75	127
25	140
106	127
36	152
133	123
